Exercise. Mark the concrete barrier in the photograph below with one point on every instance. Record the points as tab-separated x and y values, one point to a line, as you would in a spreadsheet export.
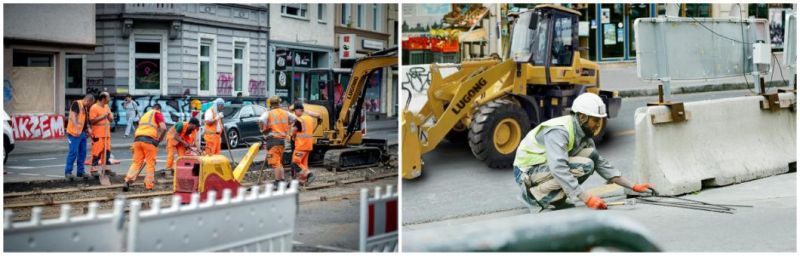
725	141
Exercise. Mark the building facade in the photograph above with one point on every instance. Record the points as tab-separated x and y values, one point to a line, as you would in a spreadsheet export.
205	50
41	43
301	40
370	28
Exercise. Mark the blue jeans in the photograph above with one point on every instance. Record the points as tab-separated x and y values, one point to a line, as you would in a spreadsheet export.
77	153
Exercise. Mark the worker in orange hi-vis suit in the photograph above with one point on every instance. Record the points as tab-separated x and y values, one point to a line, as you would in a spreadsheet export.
180	138
303	132
213	127
275	125
148	135
100	118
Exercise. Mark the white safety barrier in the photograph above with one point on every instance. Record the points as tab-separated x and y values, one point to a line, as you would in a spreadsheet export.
378	221
723	142
92	232
251	222
261	220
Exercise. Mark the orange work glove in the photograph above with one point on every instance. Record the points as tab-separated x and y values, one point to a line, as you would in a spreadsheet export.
596	203
640	188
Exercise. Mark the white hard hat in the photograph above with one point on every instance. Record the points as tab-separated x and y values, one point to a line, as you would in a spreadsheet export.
589	104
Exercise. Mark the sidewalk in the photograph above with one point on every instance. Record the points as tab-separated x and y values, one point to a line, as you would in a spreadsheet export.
621	76
119	142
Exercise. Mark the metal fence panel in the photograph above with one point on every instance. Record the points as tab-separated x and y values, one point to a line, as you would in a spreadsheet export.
679	48
92	232
254	221
380	213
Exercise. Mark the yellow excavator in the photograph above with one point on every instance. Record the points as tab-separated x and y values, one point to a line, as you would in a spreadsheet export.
492	103
339	143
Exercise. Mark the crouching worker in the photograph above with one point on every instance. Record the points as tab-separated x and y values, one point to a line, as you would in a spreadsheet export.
145	147
558	155
179	139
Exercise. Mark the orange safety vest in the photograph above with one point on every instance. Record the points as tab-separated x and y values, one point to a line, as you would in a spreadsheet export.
147	125
182	133
304	140
75	127
101	129
211	128
278	122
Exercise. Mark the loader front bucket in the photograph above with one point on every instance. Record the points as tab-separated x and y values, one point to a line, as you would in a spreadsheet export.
412	149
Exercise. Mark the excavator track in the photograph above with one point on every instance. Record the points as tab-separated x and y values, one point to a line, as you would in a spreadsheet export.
342	159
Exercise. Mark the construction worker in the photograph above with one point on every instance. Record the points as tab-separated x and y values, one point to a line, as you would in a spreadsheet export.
303	131
274	124
558	155
77	131
100	118
213	127
180	138
145	146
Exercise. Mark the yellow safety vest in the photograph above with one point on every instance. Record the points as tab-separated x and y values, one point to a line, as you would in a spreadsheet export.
147	125
530	152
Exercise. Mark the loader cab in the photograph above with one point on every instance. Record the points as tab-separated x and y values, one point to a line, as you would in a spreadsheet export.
546	36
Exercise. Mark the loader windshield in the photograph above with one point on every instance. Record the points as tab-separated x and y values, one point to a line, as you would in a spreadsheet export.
521	39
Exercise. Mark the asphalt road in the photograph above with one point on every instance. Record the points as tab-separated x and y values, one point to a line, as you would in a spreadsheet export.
455	186
51	165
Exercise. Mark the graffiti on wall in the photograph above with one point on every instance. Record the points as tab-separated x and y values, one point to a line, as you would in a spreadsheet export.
174	109
415	80
37	127
258	88
224	83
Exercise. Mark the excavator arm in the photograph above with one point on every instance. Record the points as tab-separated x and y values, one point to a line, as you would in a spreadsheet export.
354	96
450	100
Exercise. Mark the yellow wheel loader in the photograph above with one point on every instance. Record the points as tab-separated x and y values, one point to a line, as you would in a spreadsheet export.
339	100
491	104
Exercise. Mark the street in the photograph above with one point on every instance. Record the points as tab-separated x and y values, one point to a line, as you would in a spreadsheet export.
44	166
455	187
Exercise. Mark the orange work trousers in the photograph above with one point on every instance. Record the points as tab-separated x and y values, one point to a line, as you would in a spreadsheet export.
213	143
143	153
300	158
100	151
275	157
174	147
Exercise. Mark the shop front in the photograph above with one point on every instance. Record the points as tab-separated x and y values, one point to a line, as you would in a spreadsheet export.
292	66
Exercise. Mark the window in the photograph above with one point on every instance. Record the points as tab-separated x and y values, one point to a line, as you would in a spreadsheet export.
26	59
360	15
259	110
345	15
207	64
697	10
321	13
540	39
147	65
295	10
247	111
74	76
240	68
376	17
562	41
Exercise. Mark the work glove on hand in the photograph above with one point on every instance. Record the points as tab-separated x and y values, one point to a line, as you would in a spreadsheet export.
641	188
596	203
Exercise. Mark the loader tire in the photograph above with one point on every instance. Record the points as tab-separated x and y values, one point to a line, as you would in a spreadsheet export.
496	130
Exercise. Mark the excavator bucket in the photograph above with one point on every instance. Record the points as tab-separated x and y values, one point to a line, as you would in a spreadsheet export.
244	165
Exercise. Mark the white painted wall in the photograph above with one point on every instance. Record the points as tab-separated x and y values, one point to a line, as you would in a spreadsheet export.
306	31
63	23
